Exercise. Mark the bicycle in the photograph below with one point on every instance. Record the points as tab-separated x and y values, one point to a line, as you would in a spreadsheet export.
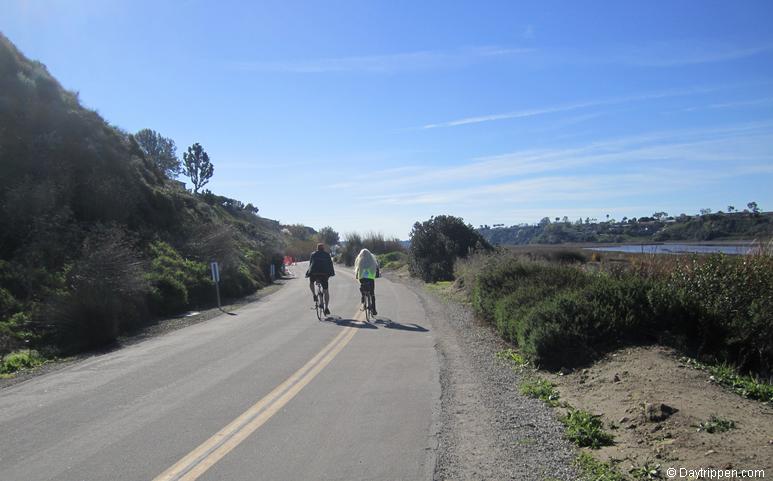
367	305
320	304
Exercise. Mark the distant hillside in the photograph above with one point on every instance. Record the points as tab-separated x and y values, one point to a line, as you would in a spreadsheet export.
94	239
708	227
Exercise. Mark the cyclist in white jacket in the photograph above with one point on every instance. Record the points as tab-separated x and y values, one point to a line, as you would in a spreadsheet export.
366	271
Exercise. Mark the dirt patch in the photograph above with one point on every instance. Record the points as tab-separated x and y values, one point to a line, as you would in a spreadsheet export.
654	405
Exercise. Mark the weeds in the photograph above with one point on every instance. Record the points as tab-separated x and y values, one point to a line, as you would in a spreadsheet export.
586	430
646	472
726	376
513	357
541	389
716	424
592	469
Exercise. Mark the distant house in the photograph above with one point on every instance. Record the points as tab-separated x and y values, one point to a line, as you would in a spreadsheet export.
177	184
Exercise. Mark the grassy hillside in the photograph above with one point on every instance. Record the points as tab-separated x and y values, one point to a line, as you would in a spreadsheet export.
94	239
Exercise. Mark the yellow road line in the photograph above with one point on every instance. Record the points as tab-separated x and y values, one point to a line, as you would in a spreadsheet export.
195	463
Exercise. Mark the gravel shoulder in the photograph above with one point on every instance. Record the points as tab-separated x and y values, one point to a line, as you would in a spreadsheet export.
488	430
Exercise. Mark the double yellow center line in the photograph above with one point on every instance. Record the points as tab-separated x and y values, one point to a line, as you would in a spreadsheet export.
198	461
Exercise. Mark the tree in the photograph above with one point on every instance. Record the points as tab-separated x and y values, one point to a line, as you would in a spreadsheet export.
660	215
544	221
753	208
706	211
730	208
438	242
328	236
160	150
197	167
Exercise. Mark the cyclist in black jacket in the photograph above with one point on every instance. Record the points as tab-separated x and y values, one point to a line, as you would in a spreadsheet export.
320	269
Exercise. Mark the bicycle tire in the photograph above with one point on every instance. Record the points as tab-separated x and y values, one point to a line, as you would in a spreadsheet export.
320	302
368	310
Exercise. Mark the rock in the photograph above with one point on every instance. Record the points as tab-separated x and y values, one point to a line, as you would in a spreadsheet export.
616	378
656	412
623	420
709	452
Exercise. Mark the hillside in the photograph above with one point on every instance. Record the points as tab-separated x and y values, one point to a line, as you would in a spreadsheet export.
708	227
94	238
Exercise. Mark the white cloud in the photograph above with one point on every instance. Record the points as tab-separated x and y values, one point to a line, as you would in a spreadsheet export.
687	53
572	106
735	104
610	168
387	63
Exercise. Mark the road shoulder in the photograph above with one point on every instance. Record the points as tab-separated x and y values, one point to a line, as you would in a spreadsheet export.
487	430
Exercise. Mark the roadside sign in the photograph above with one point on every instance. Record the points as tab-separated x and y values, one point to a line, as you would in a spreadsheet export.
216	279
215	272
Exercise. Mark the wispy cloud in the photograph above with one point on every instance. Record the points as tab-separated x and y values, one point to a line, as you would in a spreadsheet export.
572	106
557	189
686	53
388	63
688	156
732	105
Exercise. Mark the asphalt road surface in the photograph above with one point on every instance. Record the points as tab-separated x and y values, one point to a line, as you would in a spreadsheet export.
269	393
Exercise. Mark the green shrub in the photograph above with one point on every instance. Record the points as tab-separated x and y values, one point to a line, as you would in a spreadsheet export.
510	310
438	242
504	276
176	282
586	430
235	282
557	332
731	301
8	304
720	307
392	260
16	361
168	294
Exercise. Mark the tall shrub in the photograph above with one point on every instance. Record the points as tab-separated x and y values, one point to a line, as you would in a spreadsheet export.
438	242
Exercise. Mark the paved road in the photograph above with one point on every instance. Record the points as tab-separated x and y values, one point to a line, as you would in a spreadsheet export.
270	393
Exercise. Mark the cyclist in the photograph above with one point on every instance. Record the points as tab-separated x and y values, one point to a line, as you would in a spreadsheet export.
320	269
366	271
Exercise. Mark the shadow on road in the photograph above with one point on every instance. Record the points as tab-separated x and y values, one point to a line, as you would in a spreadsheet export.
390	324
349	322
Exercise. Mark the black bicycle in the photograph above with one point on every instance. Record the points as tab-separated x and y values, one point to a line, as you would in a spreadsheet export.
367	305
320	304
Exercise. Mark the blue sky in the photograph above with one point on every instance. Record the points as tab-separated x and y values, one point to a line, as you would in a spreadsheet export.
371	115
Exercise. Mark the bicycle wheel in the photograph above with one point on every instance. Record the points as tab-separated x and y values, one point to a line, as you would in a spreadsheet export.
368	312
320	302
